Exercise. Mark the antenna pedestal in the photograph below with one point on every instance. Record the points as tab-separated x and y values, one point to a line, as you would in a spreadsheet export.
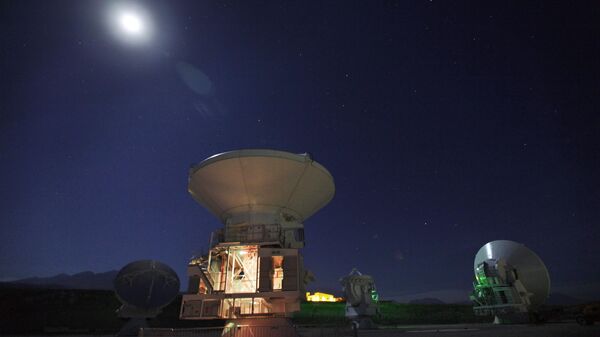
133	326
273	326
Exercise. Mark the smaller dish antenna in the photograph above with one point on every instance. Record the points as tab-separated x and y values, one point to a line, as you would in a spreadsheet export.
144	287
361	299
511	282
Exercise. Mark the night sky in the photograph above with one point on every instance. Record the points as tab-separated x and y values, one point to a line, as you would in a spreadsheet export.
445	125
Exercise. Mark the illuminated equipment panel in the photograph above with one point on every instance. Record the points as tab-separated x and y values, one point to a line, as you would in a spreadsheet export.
253	267
241	281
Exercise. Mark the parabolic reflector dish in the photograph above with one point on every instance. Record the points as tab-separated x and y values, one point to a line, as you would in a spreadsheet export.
530	268
146	284
358	288
267	181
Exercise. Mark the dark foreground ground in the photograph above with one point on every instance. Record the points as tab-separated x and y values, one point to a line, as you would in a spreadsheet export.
55	312
468	330
446	330
41	311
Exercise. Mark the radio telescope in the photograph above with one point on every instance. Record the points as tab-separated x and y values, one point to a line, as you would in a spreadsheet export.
511	282
253	268
144	287
361	299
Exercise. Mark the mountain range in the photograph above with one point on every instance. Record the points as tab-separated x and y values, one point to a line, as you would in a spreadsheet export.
104	281
83	280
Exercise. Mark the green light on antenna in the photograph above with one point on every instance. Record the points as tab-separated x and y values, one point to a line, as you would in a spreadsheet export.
374	296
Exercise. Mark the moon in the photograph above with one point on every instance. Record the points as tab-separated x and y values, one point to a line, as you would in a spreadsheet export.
131	24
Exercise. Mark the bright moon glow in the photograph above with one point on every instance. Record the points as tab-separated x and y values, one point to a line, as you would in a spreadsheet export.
130	23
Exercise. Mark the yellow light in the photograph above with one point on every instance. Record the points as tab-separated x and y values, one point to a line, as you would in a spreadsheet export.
322	297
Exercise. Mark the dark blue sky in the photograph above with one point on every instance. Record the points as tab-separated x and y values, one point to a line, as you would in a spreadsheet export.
446	124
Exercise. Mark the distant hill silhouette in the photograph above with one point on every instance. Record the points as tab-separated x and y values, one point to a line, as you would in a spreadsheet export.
553	299
328	290
562	299
84	280
428	300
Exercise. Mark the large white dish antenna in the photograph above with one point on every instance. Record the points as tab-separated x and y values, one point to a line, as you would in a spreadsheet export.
261	181
530	268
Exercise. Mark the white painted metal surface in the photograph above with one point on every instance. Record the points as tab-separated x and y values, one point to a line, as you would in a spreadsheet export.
260	184
531	269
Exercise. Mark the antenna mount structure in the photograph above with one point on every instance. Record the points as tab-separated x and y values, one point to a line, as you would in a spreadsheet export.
511	282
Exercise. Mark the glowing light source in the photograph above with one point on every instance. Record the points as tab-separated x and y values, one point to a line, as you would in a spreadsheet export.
130	23
322	297
374	296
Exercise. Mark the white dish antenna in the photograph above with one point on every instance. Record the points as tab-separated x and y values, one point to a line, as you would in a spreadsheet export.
146	285
358	288
361	299
254	182
530	268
